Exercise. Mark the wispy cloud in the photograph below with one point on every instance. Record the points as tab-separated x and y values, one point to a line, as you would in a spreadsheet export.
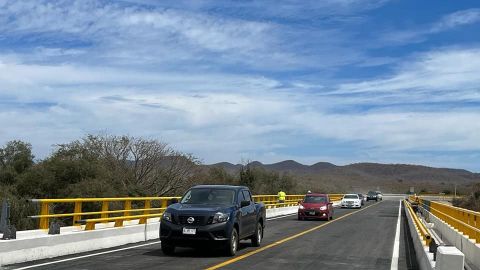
452	73
422	32
457	19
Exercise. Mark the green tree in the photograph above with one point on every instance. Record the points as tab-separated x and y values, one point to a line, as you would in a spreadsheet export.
15	158
247	177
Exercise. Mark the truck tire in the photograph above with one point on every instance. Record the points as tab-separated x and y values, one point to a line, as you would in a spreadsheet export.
167	248
232	245
258	236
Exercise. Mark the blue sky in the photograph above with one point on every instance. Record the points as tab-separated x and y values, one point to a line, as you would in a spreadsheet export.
336	80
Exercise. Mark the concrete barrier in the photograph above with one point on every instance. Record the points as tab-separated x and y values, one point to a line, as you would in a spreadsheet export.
424	257
37	244
449	258
456	238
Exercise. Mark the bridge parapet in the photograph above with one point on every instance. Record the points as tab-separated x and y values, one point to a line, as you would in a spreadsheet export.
129	208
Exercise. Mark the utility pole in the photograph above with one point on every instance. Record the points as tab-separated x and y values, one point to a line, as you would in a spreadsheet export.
455	194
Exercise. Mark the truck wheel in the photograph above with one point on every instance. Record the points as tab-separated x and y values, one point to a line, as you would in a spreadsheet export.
167	248
257	237
232	245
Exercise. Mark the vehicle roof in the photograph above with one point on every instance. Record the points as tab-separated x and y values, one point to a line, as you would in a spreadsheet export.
356	194
220	186
316	194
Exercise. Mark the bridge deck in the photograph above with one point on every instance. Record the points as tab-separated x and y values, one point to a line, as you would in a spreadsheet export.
353	240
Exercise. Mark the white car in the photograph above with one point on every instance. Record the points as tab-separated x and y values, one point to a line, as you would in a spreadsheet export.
351	201
379	195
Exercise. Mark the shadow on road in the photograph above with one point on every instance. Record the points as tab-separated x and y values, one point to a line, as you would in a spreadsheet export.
209	252
410	255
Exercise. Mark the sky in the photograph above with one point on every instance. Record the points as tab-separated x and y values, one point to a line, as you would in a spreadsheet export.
341	81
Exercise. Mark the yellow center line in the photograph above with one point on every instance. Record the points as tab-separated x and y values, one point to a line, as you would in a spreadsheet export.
253	252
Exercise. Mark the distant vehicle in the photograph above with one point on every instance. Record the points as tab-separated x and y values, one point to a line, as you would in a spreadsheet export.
379	195
372	196
218	214
362	198
351	201
315	206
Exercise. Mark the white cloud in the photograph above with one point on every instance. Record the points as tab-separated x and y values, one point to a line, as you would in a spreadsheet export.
431	75
249	117
420	33
456	19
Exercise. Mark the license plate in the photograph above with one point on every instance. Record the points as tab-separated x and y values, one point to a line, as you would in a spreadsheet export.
311	213
189	231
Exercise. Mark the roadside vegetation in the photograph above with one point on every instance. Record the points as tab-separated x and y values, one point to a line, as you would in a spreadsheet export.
470	201
113	166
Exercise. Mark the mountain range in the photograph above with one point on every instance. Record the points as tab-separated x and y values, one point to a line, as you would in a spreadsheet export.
361	177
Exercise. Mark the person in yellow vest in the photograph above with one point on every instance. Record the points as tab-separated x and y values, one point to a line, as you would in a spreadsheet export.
281	196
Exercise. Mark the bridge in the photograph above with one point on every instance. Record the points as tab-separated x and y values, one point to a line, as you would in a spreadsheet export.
395	233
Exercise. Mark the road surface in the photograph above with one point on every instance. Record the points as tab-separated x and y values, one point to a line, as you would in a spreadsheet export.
354	239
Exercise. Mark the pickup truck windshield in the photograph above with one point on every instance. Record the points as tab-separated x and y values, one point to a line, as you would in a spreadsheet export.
209	196
314	199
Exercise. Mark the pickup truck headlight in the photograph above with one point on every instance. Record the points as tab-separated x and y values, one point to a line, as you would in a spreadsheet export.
220	217
300	206
323	207
167	216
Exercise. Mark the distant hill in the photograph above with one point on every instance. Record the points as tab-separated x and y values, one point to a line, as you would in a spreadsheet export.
361	177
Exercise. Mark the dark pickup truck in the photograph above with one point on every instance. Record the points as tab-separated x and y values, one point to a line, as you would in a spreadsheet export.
218	214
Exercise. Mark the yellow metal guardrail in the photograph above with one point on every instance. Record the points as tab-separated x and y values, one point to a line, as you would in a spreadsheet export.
104	215
464	220
420	227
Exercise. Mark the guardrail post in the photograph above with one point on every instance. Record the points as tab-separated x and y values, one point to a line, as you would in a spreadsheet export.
104	209
164	203
147	205
128	206
477	225
44	221
77	213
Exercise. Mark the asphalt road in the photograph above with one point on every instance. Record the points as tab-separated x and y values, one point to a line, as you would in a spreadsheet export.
355	239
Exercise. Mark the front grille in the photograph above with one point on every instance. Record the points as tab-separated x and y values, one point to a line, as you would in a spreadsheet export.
198	220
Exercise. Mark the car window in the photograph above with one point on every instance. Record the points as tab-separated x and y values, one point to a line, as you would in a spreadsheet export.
350	197
247	195
315	199
209	196
240	197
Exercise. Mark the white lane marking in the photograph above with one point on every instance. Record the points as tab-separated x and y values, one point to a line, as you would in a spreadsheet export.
396	243
111	251
86	256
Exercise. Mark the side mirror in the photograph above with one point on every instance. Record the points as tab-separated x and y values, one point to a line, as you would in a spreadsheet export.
172	201
330	203
300	201
244	203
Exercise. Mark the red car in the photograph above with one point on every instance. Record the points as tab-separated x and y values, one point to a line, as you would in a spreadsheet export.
315	206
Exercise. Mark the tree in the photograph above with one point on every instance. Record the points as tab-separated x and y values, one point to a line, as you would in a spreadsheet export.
247	176
15	158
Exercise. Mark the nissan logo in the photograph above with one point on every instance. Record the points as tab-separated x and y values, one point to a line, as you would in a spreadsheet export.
190	220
